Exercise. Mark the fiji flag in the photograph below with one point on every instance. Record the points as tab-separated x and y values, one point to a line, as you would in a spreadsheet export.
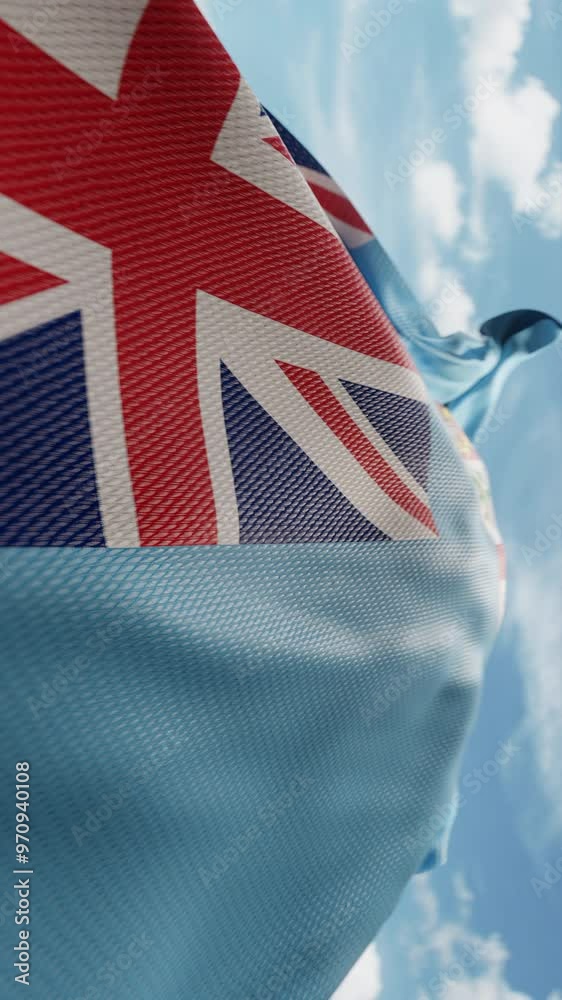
239	753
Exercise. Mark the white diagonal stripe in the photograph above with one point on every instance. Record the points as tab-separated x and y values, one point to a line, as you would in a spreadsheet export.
86	266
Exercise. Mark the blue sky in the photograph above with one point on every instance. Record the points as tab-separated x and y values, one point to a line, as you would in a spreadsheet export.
441	119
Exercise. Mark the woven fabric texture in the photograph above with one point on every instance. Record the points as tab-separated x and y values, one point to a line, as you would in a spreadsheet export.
247	592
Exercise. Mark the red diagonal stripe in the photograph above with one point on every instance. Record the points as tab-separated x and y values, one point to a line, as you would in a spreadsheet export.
339	206
278	144
317	394
18	279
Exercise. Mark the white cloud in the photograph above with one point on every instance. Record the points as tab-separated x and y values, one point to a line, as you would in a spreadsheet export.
536	614
463	894
512	133
364	981
487	987
444	295
549	207
437	194
339	126
450	960
512	137
494	36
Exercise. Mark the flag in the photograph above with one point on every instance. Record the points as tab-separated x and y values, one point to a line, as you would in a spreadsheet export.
247	588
